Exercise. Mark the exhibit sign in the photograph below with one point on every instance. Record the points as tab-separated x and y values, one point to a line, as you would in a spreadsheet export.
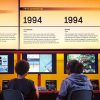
50	24
9	28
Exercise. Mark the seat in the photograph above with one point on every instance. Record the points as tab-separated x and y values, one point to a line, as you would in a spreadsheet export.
10	94
81	95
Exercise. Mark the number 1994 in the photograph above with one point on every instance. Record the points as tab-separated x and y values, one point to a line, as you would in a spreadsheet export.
73	20
34	19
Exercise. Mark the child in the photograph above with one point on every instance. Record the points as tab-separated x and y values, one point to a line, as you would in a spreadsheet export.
22	84
75	81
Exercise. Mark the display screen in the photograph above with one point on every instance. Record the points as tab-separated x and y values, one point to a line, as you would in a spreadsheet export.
51	85
3	63
6	63
90	61
95	84
41	63
5	84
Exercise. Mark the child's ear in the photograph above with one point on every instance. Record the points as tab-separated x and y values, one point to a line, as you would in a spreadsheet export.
25	74
68	71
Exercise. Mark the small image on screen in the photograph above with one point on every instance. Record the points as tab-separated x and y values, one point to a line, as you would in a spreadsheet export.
5	84
51	85
3	63
88	60
40	62
95	84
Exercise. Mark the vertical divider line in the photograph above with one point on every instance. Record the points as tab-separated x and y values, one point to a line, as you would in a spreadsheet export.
18	24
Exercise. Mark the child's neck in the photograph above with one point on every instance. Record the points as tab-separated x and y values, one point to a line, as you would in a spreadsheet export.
20	77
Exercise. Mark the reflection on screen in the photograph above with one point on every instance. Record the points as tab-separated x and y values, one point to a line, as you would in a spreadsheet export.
40	62
3	63
88	60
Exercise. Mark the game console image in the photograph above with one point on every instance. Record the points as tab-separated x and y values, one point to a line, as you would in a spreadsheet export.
51	85
95	84
5	84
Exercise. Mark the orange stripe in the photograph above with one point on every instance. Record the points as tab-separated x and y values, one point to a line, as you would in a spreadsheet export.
55	8
5	11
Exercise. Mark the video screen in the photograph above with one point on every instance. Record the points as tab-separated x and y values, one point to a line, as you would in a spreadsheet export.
6	63
3	63
51	85
90	61
41	63
95	84
5	84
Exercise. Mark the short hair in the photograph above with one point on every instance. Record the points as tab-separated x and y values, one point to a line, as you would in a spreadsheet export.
22	67
75	66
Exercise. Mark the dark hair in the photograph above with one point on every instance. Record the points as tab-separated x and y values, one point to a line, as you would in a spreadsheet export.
22	67
75	66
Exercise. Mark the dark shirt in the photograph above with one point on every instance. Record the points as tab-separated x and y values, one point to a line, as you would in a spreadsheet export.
26	86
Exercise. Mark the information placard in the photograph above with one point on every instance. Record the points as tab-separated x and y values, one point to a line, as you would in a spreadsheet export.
59	25
49	24
9	24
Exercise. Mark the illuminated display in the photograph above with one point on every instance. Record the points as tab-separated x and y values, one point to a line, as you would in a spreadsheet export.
41	63
90	61
6	63
3	63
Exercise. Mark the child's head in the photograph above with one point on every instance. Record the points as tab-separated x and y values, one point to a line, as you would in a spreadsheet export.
74	66
22	67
